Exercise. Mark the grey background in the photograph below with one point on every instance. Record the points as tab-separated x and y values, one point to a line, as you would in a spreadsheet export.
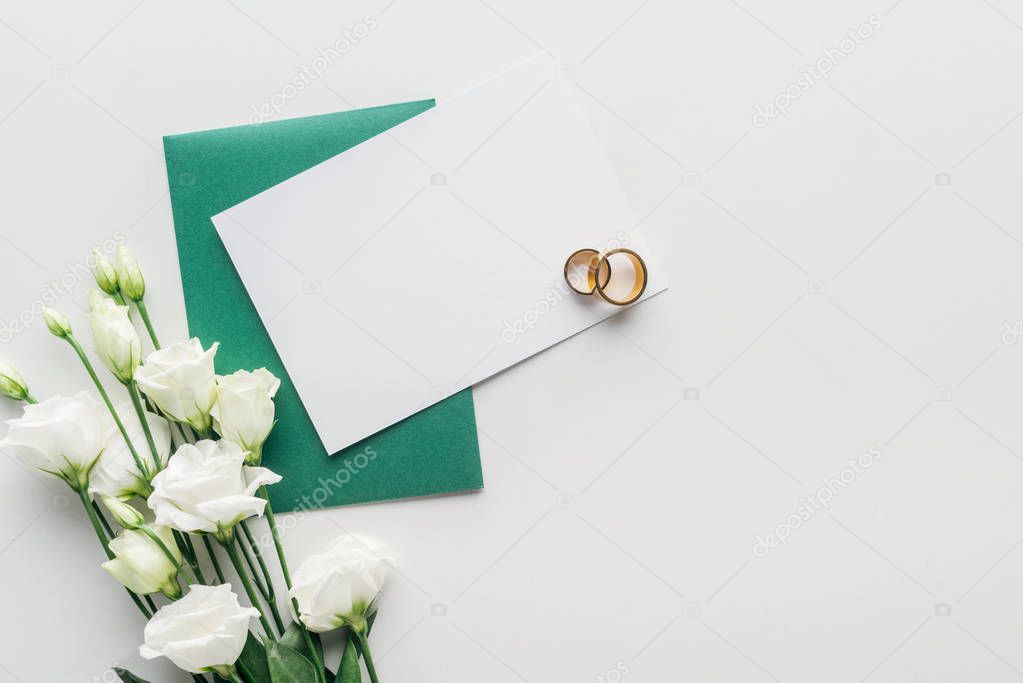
846	276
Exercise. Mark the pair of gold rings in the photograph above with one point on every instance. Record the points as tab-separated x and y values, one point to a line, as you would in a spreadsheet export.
588	271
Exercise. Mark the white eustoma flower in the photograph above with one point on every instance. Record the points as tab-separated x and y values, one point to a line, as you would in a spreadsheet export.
142	566
244	410
340	585
180	379
203	631
115	339
116	473
63	436
207	487
12	384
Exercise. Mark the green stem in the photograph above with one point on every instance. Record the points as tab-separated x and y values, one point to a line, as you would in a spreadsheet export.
100	533
136	401
230	545
103	520
366	655
30	399
184	544
272	523
213	559
266	587
234	677
251	564
110	406
144	314
98	527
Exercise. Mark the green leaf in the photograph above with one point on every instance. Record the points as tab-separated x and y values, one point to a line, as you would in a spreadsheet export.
349	672
288	665
331	678
293	638
252	662
128	677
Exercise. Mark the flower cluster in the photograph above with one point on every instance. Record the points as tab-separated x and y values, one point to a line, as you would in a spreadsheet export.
177	465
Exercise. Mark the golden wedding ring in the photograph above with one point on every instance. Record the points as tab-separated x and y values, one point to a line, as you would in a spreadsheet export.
581	271
598	277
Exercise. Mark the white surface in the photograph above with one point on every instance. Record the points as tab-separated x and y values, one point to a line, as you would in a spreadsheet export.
827	294
431	285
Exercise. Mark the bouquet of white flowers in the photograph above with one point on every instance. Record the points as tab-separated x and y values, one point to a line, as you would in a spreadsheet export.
187	443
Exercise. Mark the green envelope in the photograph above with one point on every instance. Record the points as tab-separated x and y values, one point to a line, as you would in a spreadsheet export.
434	451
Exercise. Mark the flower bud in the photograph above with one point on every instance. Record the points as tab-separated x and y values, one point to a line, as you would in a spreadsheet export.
11	383
116	341
142	566
129	275
244	409
105	273
123	514
57	323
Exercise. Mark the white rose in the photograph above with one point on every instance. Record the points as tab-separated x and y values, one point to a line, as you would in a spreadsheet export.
142	566
63	436
115	338
203	631
180	379
244	411
116	474
207	487
340	585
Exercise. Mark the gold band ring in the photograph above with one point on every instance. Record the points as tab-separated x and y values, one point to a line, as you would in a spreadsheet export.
603	277
584	259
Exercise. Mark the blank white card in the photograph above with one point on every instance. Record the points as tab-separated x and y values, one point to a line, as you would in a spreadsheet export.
430	257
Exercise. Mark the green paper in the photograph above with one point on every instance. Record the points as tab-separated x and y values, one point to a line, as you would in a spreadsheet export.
435	450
